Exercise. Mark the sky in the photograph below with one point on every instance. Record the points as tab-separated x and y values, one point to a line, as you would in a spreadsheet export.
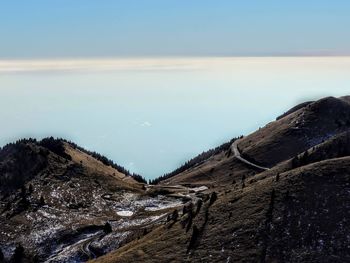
152	83
37	29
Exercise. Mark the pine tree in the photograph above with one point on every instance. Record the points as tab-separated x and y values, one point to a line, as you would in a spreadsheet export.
175	215
213	198
41	201
107	228
30	189
18	254
277	177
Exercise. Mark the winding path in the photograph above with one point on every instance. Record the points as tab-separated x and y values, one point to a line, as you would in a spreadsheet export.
85	246
237	154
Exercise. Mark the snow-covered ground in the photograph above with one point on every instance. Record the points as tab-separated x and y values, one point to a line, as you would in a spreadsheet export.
125	213
57	228
69	222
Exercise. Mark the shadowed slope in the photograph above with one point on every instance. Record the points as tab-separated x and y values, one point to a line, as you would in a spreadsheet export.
296	132
299	218
53	196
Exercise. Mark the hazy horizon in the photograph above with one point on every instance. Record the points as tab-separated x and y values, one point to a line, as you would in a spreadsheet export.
151	115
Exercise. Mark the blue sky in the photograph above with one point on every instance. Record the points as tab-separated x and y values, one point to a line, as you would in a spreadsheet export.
131	28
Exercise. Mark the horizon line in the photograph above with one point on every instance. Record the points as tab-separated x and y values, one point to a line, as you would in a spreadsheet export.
282	55
104	64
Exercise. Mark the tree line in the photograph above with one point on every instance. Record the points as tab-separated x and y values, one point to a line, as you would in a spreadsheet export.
107	162
195	161
56	146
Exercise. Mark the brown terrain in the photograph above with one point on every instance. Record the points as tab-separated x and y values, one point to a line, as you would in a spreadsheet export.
61	204
221	209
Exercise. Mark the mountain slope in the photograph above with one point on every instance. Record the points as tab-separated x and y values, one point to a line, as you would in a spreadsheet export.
59	204
219	170
295	212
301	217
297	132
304	126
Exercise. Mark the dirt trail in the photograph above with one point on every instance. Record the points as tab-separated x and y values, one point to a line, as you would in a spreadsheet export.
237	154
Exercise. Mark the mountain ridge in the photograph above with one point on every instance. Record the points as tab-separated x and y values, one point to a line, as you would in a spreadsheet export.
68	204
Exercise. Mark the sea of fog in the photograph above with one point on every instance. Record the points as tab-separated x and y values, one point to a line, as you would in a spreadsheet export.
151	115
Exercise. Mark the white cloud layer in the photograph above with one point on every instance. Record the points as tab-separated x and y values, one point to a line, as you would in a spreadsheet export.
7	66
158	64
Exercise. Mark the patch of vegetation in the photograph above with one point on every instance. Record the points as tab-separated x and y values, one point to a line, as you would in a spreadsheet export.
56	146
107	228
19	163
20	151
194	237
16	143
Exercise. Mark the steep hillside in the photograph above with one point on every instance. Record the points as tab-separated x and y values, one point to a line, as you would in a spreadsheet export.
219	170
197	161
296	132
294	109
300	217
59	204
335	147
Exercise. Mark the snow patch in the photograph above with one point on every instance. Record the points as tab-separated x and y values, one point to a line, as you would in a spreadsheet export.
125	213
199	189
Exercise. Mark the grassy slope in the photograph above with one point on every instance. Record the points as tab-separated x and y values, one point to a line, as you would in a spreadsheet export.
94	166
297	132
218	170
301	217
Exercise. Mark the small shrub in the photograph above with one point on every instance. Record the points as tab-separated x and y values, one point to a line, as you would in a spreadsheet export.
175	215
107	228
213	198
277	177
187	208
194	237
189	222
18	255
199	206
41	201
1	256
